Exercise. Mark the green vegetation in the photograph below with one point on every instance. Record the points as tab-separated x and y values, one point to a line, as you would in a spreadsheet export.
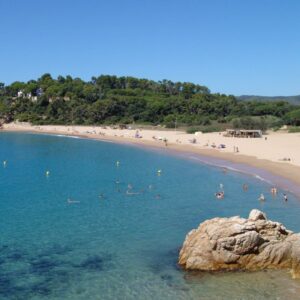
294	129
290	99
204	129
254	122
125	100
293	117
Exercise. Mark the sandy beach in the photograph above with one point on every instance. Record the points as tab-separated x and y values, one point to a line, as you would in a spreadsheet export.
269	153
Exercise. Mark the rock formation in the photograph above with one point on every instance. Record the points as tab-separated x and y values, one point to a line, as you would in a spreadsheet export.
241	244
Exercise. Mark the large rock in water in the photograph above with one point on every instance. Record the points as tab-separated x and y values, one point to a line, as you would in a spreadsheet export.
241	244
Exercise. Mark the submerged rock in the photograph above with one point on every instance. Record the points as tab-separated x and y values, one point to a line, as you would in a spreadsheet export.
241	244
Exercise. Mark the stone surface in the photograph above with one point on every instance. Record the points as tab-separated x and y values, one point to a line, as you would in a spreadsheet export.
241	244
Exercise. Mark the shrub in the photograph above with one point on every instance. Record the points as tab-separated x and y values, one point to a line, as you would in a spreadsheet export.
293	117
261	123
294	129
204	129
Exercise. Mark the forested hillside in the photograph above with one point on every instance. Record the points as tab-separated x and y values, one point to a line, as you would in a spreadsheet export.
111	99
290	99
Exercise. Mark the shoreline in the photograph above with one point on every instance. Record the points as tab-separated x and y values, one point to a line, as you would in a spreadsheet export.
281	174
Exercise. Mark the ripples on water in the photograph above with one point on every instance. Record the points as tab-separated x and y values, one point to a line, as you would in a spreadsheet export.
119	246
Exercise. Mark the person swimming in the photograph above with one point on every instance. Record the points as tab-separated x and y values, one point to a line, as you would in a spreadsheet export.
70	201
273	191
285	197
102	196
132	193
262	197
245	187
220	195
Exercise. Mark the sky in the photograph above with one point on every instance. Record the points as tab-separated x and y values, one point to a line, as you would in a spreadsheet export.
239	47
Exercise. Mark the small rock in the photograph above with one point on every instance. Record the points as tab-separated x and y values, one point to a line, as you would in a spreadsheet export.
256	214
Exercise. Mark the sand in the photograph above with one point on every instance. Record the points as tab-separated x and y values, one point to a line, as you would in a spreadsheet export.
265	153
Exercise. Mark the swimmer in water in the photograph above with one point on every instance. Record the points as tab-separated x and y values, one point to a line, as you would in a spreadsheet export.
129	186
150	187
273	191
245	187
221	186
219	195
4	163
132	193
70	201
102	196
285	197
262	198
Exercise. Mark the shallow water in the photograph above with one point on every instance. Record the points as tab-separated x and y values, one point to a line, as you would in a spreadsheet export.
119	246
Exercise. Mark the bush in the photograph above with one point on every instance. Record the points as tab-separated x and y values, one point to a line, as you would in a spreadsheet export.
211	128
193	129
294	129
170	121
204	129
261	123
206	121
293	117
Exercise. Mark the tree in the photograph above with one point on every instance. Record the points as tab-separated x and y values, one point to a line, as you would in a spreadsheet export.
293	117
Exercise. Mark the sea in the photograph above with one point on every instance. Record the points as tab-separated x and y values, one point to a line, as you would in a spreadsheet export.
86	219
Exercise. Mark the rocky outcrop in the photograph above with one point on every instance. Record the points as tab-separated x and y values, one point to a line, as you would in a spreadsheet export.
241	244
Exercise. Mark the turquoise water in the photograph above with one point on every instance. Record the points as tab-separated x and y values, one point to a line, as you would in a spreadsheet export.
119	246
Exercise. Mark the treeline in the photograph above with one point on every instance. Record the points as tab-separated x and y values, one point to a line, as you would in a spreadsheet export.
111	99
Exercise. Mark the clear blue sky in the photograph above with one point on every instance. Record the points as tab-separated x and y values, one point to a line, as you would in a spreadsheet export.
231	46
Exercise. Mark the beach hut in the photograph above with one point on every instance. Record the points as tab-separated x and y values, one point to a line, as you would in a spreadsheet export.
251	133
